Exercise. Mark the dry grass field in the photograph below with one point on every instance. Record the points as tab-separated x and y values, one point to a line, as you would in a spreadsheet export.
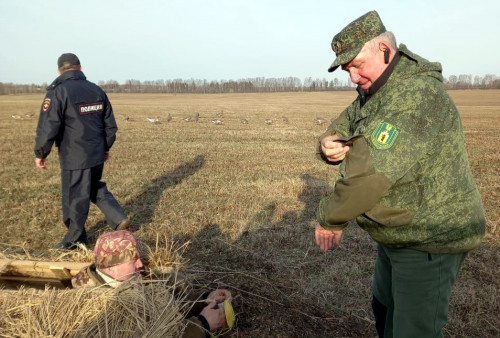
244	197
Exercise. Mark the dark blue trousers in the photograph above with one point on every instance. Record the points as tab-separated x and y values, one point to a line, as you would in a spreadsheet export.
79	188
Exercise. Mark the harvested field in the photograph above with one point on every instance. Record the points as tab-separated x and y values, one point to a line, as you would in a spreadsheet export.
244	196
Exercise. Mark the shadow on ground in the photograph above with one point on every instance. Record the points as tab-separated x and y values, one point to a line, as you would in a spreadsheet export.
266	268
143	206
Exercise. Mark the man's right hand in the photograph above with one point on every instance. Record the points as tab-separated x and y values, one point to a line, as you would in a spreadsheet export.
215	316
334	150
41	163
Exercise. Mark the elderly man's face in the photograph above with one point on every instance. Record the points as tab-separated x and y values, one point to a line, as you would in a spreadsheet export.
365	68
125	270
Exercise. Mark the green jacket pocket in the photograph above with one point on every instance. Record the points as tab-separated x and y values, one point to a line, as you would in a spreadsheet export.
391	217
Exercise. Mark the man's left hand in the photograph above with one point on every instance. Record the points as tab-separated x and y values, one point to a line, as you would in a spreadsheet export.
219	296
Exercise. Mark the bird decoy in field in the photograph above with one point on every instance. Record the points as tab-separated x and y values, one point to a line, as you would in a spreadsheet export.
320	120
244	121
217	121
220	114
285	119
126	118
268	121
188	119
197	117
30	114
169	117
16	116
153	119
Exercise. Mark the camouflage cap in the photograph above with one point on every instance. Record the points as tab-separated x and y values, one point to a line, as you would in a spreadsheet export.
349	42
116	247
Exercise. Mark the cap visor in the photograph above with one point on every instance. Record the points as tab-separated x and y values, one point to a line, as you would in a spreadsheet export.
332	68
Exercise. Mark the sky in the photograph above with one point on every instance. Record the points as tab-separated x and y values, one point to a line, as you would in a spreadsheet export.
231	39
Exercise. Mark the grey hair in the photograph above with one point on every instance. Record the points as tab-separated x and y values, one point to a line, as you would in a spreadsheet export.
387	37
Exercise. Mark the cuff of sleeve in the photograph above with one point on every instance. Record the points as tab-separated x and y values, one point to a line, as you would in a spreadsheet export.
205	295
333	227
322	219
205	324
329	132
40	154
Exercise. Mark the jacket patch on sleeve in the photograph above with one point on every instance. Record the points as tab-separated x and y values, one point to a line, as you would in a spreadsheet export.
384	136
90	108
46	104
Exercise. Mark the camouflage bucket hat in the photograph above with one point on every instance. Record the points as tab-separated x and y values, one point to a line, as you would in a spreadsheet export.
114	248
349	42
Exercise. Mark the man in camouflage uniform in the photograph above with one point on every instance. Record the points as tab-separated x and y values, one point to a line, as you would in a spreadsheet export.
117	260
405	179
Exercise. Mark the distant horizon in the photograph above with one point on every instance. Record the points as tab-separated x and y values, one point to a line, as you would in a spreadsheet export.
446	78
252	85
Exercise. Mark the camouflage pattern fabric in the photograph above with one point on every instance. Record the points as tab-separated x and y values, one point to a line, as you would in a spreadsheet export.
115	248
87	277
421	194
349	42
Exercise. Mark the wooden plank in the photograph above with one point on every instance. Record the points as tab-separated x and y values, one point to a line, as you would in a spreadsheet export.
61	272
15	282
40	269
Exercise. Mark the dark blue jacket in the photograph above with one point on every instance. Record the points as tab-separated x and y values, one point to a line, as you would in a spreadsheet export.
77	115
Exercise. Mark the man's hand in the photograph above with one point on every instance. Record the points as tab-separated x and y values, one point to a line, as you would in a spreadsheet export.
106	156
326	238
219	296
334	150
41	163
215	316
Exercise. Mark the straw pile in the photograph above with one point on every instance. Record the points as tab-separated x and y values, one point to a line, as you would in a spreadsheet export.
138	310
82	255
148	307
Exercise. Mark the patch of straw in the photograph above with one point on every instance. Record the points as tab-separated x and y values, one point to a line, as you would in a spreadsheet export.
152	306
134	310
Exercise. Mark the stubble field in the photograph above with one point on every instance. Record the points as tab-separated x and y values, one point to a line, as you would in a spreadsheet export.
243	197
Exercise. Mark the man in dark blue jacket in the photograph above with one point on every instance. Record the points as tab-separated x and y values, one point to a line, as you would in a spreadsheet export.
77	115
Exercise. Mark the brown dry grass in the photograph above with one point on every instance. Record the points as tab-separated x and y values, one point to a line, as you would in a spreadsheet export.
244	196
139	310
152	306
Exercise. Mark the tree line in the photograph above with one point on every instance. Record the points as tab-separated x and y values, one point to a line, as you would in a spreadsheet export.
249	85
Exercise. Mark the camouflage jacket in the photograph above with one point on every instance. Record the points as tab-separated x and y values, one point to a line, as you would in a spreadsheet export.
406	179
88	277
